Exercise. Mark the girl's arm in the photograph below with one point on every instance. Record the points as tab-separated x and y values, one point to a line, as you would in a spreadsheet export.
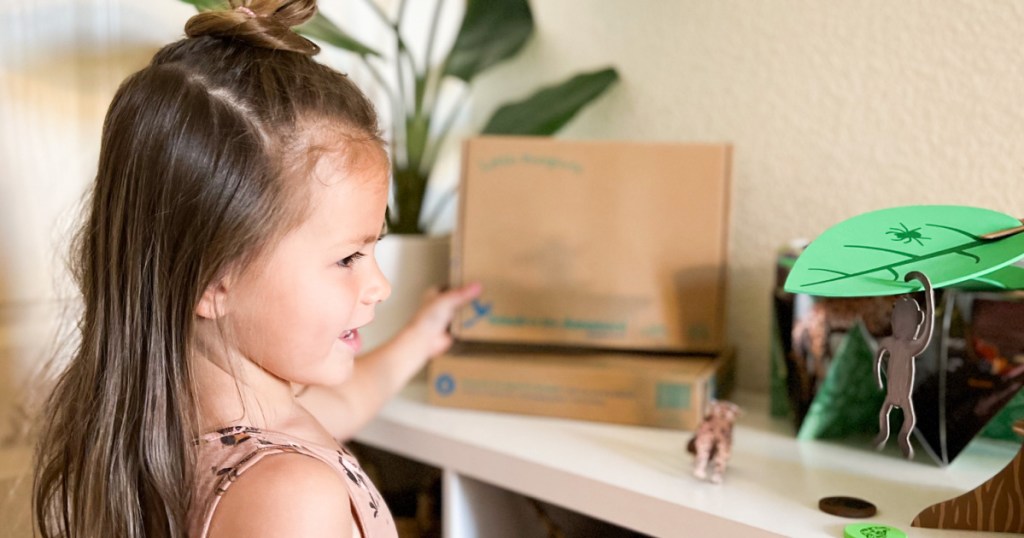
284	495
344	409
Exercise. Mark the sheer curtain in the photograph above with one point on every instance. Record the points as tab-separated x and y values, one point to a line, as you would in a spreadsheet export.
60	63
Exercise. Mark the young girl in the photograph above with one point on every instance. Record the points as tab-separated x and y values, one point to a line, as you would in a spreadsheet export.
227	260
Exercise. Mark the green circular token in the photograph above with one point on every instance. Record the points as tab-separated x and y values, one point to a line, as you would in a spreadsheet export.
872	530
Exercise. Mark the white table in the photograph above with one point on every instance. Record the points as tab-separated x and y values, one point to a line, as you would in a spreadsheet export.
639	478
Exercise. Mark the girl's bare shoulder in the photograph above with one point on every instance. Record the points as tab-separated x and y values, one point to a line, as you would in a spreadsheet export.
285	495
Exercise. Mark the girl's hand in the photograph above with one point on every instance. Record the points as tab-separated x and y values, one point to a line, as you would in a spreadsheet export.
429	327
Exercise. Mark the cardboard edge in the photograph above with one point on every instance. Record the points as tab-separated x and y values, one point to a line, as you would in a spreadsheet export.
455	256
726	224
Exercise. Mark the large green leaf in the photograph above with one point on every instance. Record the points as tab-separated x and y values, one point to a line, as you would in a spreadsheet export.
208	5
323	29
546	111
319	27
492	31
871	253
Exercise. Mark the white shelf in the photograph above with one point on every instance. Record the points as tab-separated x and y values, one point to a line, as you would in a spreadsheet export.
639	478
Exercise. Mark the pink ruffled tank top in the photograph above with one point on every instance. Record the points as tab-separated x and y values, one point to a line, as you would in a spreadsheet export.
226	454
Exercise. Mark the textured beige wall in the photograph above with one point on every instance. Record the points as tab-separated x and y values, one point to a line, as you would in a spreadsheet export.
834	108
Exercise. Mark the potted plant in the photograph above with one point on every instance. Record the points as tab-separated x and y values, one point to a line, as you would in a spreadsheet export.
491	31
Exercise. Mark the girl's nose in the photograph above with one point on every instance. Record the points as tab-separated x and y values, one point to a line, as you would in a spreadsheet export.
378	288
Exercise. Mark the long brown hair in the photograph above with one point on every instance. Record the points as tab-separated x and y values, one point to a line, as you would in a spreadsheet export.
198	169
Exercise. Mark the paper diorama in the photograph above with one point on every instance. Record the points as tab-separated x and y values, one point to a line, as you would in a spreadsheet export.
879	253
967	382
903	250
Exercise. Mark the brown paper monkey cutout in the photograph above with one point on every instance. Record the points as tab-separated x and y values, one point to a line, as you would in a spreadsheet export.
911	333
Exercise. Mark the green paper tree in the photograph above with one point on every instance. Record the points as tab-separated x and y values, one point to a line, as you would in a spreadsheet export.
848	400
1001	425
871	253
779	392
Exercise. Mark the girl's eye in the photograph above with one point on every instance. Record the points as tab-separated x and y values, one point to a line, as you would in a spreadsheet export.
348	261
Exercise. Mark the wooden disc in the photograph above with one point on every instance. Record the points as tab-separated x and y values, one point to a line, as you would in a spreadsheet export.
847	507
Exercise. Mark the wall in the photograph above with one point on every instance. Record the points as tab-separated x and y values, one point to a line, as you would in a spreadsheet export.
834	109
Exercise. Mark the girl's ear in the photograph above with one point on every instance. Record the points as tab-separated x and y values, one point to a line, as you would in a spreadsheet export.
212	304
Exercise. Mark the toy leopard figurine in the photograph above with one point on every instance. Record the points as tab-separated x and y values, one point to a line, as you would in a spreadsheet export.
712	441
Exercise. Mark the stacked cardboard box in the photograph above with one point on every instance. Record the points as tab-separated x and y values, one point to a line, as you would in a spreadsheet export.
589	246
618	387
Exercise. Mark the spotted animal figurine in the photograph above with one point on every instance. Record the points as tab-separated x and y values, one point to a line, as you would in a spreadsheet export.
712	442
911	332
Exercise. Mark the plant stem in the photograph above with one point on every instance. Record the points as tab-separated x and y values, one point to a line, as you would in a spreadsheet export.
416	124
410	187
393	25
411	158
431	38
431	154
442	203
396	111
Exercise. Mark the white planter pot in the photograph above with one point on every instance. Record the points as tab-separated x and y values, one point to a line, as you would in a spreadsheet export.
413	264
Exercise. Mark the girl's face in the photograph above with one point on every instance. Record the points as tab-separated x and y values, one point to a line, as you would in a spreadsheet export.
297	312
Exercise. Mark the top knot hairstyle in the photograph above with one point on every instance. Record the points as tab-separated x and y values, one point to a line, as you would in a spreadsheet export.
204	161
261	23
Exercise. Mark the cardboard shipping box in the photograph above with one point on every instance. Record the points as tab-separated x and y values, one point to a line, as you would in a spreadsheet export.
622	388
598	244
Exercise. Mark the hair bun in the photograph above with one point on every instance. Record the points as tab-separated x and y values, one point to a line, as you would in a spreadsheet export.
260	23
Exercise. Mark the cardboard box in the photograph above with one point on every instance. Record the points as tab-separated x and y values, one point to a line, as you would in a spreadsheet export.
598	244
646	390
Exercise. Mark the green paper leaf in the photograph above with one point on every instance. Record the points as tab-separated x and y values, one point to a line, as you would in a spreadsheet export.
871	253
849	399
1007	278
546	111
492	31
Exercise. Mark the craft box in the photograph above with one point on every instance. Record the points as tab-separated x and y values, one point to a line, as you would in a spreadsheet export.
639	389
597	244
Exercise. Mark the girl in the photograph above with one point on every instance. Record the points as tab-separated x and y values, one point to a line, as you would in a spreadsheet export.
228	254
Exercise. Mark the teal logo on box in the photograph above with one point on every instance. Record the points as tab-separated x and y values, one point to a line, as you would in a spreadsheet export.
444	384
672	396
480	311
546	161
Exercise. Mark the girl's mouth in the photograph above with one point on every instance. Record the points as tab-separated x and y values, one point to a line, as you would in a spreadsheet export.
352	340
